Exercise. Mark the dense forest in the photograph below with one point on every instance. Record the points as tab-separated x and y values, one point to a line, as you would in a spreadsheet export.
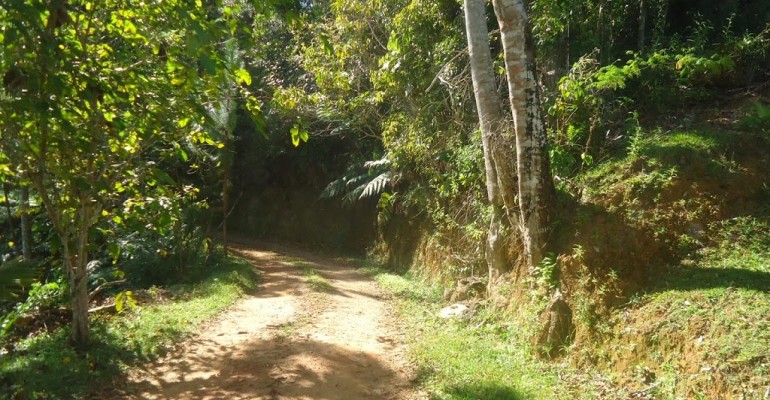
588	178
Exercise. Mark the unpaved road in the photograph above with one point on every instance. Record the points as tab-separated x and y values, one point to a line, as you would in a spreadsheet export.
289	340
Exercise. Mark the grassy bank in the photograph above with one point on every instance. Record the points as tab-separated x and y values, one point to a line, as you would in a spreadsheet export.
698	327
484	357
44	367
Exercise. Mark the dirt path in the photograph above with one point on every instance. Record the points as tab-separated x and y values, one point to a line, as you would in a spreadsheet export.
333	340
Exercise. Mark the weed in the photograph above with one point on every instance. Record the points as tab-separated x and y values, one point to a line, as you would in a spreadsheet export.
314	279
547	272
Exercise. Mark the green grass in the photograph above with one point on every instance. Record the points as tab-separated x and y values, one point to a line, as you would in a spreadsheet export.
44	367
488	357
704	326
315	280
730	282
655	160
708	319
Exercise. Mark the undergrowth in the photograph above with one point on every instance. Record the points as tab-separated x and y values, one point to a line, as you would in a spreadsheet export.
485	357
45	367
698	327
714	309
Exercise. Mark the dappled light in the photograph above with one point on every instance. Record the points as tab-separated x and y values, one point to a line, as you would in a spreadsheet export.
394	199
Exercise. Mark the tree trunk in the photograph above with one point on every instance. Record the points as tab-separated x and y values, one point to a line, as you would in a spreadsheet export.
8	211
26	227
78	282
73	234
491	122
536	191
225	206
642	24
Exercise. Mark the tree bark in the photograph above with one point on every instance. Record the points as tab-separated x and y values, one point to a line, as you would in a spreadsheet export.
26	227
535	184
76	272
8	211
642	24
73	233
225	206
491	122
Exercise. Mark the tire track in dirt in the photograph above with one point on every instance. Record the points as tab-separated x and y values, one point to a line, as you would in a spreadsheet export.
287	341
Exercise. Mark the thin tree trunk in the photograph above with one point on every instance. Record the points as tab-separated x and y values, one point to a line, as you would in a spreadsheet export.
536	191
78	267
26	227
642	24
74	241
491	121
8	211
78	283
225	205
73	234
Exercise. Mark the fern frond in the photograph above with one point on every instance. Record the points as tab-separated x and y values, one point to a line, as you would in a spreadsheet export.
15	275
375	186
382	162
353	195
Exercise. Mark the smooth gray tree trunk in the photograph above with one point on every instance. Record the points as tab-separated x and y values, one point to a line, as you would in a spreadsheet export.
488	106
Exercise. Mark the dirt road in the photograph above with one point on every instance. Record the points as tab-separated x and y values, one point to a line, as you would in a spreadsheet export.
332	339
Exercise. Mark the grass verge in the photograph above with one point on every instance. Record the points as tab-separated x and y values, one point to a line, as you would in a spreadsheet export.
44	367
486	357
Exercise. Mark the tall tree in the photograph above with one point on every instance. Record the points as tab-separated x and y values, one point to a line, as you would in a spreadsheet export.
535	183
498	155
94	94
491	121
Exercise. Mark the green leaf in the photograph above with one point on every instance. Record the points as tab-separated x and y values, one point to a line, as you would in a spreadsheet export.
120	301
243	76
208	64
163	177
114	252
298	134
327	45
295	136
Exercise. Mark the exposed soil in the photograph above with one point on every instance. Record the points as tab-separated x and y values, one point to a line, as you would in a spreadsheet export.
289	341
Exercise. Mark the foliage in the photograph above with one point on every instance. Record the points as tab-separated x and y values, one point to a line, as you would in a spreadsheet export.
598	106
39	298
15	275
94	97
361	181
